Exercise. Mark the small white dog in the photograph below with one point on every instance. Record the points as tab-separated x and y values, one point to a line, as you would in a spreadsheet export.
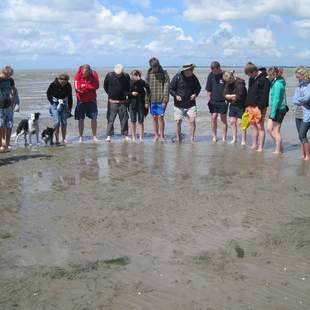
28	128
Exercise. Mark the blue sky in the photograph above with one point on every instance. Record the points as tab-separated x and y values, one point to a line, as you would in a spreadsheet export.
66	33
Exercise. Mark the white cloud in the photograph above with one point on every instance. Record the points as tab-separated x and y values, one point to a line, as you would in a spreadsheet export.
303	28
202	10
303	55
276	19
143	3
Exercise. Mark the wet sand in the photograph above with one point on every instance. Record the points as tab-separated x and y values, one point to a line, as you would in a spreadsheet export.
155	226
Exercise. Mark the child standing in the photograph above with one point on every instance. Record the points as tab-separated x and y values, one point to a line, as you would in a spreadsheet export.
137	106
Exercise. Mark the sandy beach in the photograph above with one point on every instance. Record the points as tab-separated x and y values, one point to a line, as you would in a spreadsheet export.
168	226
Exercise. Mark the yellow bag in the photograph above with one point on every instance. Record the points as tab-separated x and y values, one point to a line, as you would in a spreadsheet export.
245	123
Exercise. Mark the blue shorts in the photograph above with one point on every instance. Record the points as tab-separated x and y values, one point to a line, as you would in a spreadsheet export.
6	117
235	111
59	117
157	109
86	108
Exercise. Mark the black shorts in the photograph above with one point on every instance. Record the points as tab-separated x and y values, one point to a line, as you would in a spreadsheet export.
217	107
279	116
136	109
86	108
235	111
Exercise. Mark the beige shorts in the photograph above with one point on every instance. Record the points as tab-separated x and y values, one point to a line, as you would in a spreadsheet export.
181	113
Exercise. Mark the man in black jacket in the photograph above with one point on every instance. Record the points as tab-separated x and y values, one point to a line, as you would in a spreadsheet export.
257	103
185	88
117	86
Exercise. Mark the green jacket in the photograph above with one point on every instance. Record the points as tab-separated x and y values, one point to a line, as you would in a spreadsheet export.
277	96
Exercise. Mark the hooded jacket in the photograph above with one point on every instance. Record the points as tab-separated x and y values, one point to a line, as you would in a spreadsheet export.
86	87
142	88
258	92
277	96
117	85
184	87
60	92
236	87
302	98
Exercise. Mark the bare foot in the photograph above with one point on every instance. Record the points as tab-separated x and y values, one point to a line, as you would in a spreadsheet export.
243	143
108	139
65	141
161	139
224	140
307	158
259	150
233	142
81	140
193	140
254	147
156	138
95	140
277	152
141	141
134	140
127	139
214	139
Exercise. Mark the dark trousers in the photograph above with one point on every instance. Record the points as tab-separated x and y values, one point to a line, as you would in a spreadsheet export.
119	109
303	129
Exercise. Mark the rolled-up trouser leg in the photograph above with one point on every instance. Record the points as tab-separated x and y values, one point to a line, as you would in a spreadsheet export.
303	130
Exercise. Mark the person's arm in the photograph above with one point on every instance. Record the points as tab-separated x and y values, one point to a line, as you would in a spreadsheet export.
264	94
209	86
278	90
303	97
240	89
106	83
166	88
198	86
127	85
93	82
70	99
173	87
49	94
17	101
148	92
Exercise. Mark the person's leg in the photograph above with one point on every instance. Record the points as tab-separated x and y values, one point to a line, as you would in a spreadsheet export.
261	131
141	129
304	127
112	115
161	123
214	126
278	138
254	136
141	121
156	127
243	133
298	123
81	129
192	124
178	124
56	132
233	124
270	129
64	133
224	126
94	129
134	131
123	117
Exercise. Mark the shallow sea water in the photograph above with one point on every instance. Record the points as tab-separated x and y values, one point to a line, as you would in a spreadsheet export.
152	226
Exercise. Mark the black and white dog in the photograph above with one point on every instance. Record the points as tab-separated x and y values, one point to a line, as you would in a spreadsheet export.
28	127
47	135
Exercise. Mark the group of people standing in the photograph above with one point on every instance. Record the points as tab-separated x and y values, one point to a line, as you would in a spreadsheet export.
227	94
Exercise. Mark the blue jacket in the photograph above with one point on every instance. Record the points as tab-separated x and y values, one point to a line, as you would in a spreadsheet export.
302	98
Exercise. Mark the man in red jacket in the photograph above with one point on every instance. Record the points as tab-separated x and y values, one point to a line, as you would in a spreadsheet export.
86	82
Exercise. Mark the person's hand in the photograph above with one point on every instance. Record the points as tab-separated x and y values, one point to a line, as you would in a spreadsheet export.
193	97
178	98
146	105
135	94
17	108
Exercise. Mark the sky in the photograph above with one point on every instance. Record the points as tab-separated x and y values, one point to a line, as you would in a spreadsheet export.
67	33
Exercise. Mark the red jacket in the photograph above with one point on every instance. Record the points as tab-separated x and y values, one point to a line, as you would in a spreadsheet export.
86	87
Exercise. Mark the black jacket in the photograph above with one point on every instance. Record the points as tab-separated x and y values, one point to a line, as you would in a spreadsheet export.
258	92
117	86
141	87
60	92
236	87
184	87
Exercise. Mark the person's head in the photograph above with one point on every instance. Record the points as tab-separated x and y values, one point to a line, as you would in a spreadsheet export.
274	72
6	72
251	70
188	70
118	69
302	74
63	79
228	76
154	64
136	75
86	70
215	67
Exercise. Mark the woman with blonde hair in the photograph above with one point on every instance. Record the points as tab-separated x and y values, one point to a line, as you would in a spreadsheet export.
7	103
278	107
302	102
